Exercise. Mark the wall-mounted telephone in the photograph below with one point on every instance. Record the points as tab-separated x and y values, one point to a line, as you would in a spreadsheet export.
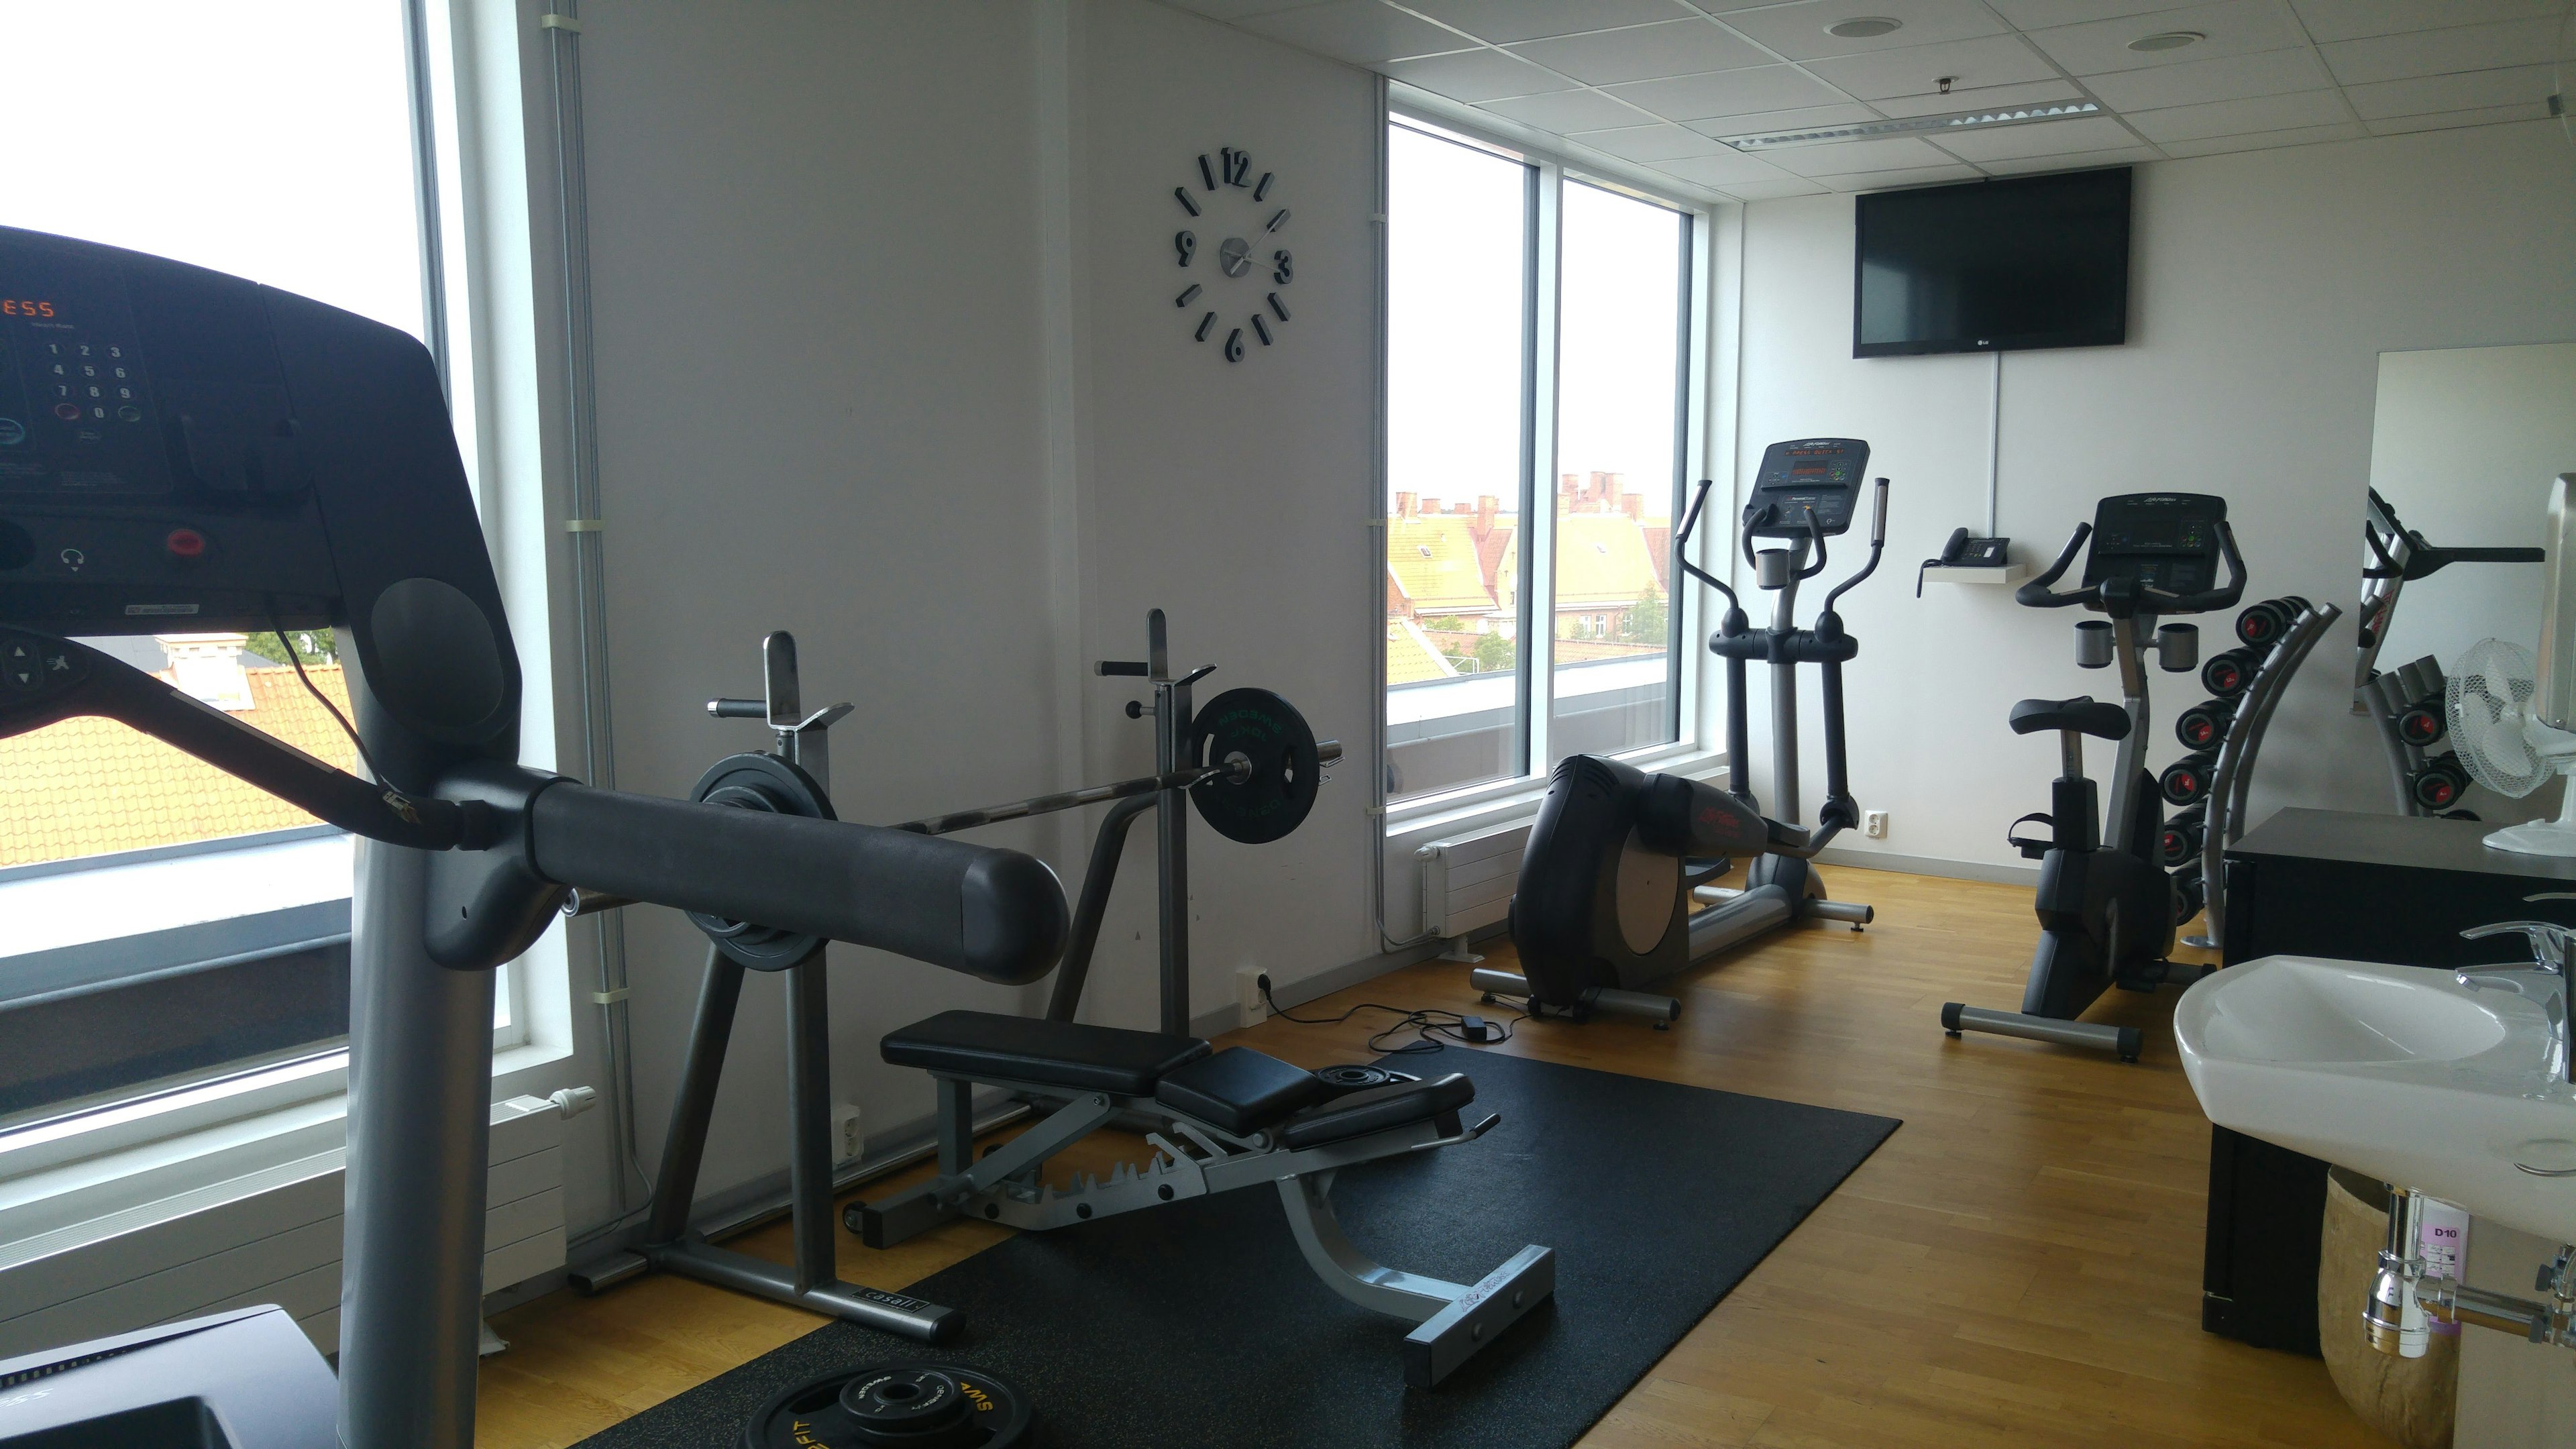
1964	551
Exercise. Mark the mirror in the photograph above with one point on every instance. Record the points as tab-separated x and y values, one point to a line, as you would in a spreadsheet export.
2463	445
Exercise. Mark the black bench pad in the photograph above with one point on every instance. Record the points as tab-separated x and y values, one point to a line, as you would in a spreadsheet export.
1377	1109
987	1045
1238	1089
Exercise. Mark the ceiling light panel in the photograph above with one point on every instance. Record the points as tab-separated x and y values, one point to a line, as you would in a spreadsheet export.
1921	127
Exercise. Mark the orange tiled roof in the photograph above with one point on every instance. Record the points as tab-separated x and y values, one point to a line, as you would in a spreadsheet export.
88	786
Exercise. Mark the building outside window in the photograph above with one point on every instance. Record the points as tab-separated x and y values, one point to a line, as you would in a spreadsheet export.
1537	385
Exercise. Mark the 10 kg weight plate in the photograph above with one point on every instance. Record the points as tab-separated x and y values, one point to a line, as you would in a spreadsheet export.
1269	735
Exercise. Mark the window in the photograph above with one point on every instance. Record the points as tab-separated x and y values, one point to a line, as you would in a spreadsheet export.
1537	339
147	887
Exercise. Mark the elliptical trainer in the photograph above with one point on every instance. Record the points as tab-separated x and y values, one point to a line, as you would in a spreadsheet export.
1617	856
2107	906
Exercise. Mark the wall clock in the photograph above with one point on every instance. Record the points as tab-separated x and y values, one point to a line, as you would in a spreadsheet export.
1233	287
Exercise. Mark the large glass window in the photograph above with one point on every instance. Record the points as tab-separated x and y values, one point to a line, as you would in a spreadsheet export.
1622	269
1458	263
1537	362
274	141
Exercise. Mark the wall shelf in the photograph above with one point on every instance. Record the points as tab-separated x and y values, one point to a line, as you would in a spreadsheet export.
2008	574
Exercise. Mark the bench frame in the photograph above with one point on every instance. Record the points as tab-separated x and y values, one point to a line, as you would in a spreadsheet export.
1452	1320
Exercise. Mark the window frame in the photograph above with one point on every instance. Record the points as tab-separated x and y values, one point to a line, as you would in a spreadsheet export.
1688	708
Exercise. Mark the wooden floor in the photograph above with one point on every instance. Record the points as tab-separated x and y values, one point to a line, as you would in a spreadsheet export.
2019	1265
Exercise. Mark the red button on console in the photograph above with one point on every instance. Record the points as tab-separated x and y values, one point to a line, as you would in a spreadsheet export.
185	543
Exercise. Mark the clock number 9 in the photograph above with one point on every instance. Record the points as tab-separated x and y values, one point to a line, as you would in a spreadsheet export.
1186	244
1282	271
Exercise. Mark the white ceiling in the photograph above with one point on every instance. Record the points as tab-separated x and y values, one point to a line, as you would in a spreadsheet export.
1655	82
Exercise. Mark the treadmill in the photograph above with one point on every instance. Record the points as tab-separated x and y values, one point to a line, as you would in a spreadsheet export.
192	449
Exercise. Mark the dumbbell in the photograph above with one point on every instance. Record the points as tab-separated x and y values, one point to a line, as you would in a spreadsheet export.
2190	893
2184	836
2186	781
2262	625
2204	725
2226	675
2423	723
2438	785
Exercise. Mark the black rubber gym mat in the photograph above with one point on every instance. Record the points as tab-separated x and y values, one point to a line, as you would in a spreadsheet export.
1198	1325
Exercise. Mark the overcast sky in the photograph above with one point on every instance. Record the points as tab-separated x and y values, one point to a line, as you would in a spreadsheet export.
1455	285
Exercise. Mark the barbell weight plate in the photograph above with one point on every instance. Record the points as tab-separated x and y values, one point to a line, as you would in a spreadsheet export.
1269	734
920	1405
760	782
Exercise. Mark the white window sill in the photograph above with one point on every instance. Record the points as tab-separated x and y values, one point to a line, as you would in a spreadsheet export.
1475	807
123	1158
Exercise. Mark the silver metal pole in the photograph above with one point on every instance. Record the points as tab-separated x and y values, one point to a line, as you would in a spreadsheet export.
420	1112
2133	691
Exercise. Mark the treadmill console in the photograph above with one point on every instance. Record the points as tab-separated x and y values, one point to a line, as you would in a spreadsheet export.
1821	476
2166	541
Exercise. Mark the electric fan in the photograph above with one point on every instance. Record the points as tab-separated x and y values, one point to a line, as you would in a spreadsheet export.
2490	696
2509	713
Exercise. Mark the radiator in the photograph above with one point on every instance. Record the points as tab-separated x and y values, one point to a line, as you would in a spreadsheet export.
271	1236
1467	880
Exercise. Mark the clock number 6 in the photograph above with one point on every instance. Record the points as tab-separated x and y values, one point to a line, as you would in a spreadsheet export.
1234	345
1186	244
1282	271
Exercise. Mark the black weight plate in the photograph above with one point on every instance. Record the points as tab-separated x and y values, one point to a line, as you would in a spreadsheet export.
760	782
1269	732
918	1405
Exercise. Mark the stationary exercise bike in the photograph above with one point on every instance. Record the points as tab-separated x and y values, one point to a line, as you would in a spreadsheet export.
1617	856
2108	908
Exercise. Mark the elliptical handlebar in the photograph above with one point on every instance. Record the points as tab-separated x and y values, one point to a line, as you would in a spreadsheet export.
1877	546
1681	546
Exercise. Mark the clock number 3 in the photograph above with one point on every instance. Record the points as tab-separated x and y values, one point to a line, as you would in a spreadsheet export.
1281	271
1187	244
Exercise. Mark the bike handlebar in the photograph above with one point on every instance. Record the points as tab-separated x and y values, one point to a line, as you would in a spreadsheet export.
2039	594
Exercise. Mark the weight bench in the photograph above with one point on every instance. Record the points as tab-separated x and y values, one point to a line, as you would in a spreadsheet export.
1243	1119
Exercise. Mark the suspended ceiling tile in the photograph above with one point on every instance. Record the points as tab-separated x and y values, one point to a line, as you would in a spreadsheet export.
1844	158
2236	27
1570	111
1728	93
1798	31
1725	170
1774	190
2041	14
1362	32
2441	52
1799	119
1918	70
2227	78
1651	143
2073	161
2240	118
1907	176
1645	52
1477	75
2452	120
1978	98
1502	21
2427	95
2331	20
2265	140
2038	138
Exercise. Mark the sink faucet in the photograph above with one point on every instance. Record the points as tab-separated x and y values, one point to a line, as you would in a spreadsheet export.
2553	946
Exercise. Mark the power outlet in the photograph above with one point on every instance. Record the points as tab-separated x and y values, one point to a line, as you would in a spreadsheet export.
1873	823
849	1137
1249	1008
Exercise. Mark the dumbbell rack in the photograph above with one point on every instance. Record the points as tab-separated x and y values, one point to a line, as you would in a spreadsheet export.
2390	697
2232	778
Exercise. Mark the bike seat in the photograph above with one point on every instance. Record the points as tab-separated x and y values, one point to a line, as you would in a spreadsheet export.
2084	714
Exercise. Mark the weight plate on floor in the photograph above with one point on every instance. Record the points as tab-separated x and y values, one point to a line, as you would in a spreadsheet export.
916	1405
760	782
1354	1077
1268	734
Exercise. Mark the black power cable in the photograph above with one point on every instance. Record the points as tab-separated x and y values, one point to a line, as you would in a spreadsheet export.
1431	1026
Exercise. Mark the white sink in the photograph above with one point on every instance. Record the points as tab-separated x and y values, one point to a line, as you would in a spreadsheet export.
2394	1071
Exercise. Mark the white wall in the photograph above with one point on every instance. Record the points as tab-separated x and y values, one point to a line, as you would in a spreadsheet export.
887	356
2265	286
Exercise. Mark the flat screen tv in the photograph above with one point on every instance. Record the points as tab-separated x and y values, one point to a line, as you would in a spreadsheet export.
1993	266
